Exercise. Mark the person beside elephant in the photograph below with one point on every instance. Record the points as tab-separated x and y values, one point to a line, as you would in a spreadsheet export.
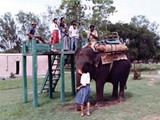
83	93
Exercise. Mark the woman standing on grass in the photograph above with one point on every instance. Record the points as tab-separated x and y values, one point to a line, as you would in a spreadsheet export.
83	93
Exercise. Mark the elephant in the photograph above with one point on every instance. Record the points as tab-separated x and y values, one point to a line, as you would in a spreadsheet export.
116	73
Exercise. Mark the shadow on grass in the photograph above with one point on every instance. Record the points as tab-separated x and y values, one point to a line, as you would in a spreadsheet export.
128	95
71	107
56	98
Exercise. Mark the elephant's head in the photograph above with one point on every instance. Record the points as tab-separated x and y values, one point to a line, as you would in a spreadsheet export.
86	57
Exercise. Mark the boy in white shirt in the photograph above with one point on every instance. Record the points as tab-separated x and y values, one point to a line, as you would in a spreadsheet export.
73	34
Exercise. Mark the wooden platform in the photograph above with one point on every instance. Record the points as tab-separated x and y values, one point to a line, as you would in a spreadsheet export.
32	48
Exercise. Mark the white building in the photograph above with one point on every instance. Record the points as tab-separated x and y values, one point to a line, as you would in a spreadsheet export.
12	63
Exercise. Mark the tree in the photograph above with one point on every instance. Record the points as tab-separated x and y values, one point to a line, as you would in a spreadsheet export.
73	9
26	19
8	37
88	12
101	11
147	38
142	36
140	21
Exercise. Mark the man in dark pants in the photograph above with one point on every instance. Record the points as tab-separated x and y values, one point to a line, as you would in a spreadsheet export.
64	33
31	34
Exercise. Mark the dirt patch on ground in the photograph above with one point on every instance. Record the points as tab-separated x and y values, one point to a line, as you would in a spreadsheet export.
71	107
152	118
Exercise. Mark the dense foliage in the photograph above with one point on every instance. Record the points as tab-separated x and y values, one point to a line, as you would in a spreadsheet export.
140	36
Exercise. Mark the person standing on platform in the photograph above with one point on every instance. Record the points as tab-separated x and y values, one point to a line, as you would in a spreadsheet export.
74	36
64	33
55	32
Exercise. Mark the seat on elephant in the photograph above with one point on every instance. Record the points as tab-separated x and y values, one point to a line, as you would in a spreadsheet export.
111	52
110	47
108	41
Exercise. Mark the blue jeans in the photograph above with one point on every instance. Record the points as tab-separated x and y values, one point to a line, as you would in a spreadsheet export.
73	43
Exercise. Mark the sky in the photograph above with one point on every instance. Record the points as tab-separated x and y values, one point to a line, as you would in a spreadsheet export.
35	6
129	8
126	9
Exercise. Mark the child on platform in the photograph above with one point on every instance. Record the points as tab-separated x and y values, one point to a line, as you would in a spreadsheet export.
83	93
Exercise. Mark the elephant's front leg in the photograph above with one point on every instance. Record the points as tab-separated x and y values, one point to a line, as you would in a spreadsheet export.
99	93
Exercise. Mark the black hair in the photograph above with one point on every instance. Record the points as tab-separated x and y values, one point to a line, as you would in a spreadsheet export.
85	69
92	26
62	18
73	21
55	19
74	24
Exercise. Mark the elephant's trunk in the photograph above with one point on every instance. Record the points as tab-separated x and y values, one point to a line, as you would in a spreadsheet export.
78	78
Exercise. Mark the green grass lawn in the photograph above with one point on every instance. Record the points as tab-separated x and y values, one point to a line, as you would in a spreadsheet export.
142	102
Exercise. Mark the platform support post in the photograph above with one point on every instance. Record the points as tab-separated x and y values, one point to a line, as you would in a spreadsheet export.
25	92
62	92
50	77
34	74
72	75
24	64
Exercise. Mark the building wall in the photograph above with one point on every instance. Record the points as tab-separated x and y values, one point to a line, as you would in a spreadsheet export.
12	63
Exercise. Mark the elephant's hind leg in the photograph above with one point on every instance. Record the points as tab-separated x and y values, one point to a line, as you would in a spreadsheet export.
121	91
114	92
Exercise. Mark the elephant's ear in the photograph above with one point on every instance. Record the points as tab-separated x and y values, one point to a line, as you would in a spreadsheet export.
97	60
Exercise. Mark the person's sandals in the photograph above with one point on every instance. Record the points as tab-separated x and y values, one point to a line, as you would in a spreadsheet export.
82	114
88	114
53	50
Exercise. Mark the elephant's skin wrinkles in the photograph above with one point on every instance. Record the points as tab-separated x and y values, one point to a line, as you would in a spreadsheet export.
118	75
